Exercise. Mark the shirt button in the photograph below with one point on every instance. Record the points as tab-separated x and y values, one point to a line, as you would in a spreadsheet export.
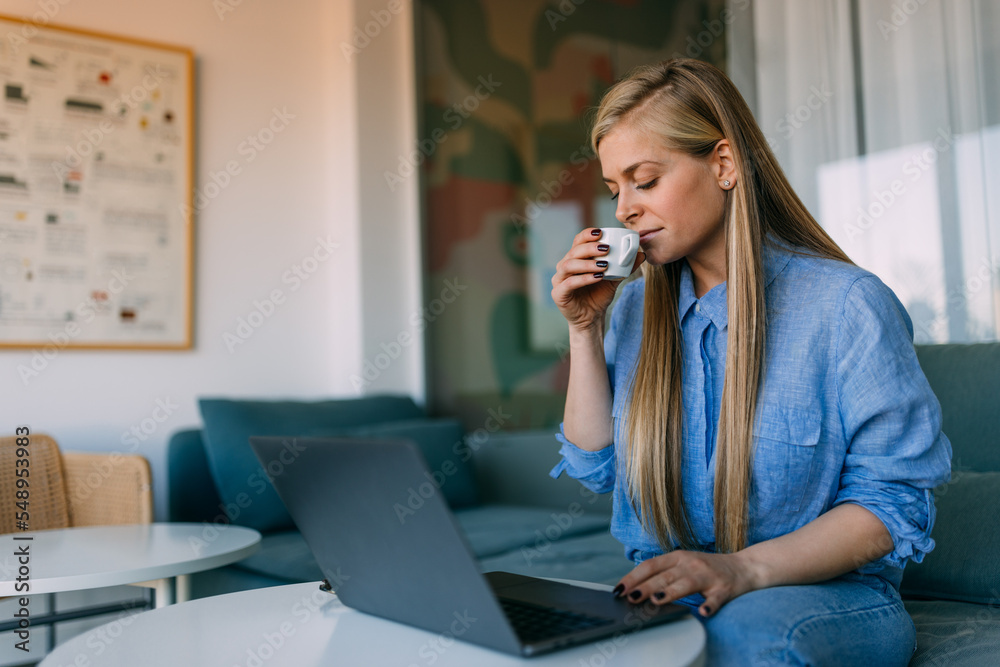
697	307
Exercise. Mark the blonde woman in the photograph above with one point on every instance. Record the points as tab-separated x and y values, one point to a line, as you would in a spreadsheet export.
755	403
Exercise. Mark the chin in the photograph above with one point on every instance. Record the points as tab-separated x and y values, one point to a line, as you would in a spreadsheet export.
655	257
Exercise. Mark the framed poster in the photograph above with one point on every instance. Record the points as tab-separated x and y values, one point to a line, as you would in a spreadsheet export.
96	169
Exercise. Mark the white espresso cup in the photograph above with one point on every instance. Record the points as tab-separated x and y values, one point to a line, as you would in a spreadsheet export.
624	246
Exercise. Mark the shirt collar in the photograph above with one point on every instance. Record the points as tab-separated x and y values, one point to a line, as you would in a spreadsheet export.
774	257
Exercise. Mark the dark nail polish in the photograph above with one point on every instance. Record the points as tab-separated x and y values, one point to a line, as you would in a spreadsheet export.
659	595
635	595
601	263
619	589
595	232
598	275
708	611
604	247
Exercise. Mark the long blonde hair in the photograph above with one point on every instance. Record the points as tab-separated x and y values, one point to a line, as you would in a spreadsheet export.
691	105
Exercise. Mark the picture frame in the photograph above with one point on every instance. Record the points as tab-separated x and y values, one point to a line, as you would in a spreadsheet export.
96	190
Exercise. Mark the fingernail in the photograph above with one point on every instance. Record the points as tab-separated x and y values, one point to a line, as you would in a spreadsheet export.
619	589
595	232
635	595
598	275
659	595
601	263
604	247
708	611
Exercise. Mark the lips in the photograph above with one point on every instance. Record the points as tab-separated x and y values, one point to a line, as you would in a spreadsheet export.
646	236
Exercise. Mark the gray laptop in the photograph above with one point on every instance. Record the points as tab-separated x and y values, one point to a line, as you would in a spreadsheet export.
415	567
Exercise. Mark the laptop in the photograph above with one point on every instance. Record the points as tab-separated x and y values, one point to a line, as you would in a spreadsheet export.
386	554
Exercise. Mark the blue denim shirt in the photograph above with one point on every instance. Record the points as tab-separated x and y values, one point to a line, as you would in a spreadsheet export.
845	414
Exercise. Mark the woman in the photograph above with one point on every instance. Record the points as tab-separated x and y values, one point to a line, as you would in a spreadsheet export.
773	475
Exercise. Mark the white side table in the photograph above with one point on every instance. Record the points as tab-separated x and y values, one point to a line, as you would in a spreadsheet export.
303	626
157	555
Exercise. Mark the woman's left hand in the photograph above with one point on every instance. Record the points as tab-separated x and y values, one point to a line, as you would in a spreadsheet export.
663	579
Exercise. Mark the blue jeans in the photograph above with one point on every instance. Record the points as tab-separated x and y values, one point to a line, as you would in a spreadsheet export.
850	620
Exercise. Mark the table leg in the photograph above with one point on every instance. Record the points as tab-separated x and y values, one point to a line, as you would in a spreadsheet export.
183	587
52	628
166	592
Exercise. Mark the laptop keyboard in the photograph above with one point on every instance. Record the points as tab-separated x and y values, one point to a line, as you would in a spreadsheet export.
534	622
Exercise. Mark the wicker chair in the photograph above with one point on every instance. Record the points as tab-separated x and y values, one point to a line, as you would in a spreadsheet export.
74	489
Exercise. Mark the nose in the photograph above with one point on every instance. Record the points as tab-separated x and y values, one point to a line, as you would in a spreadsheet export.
627	209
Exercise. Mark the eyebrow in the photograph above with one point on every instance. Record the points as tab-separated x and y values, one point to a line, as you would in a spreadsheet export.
627	171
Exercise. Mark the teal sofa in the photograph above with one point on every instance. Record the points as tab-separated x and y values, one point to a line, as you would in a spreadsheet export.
514	516
518	519
953	596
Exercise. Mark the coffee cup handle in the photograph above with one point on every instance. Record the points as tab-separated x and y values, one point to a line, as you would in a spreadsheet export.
628	249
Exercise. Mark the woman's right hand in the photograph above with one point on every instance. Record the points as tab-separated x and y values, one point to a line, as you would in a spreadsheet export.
578	287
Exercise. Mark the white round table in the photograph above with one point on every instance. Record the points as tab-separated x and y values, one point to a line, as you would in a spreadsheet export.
303	626
156	555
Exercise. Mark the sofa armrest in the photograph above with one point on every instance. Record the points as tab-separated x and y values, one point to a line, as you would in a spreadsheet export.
513	469
191	493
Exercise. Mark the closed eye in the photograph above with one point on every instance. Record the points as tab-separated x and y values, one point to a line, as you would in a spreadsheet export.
615	196
646	186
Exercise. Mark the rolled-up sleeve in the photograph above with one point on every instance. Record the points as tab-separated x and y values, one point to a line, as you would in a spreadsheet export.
896	452
595	470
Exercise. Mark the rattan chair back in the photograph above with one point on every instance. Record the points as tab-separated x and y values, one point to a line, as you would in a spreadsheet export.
108	489
46	506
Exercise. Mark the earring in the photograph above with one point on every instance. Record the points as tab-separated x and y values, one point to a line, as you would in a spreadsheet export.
726	183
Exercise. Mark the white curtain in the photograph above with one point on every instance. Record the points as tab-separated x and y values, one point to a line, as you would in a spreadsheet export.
885	115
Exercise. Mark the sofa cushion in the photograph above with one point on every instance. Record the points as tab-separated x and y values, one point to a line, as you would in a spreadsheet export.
283	555
524	534
597	557
963	565
440	441
191	492
496	529
239	478
957	634
964	379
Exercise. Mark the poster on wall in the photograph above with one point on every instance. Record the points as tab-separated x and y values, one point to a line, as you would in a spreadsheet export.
506	95
96	141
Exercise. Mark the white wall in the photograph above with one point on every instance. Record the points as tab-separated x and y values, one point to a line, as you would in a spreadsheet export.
305	185
393	345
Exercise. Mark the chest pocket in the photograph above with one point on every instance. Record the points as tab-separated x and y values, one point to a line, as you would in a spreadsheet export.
785	442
